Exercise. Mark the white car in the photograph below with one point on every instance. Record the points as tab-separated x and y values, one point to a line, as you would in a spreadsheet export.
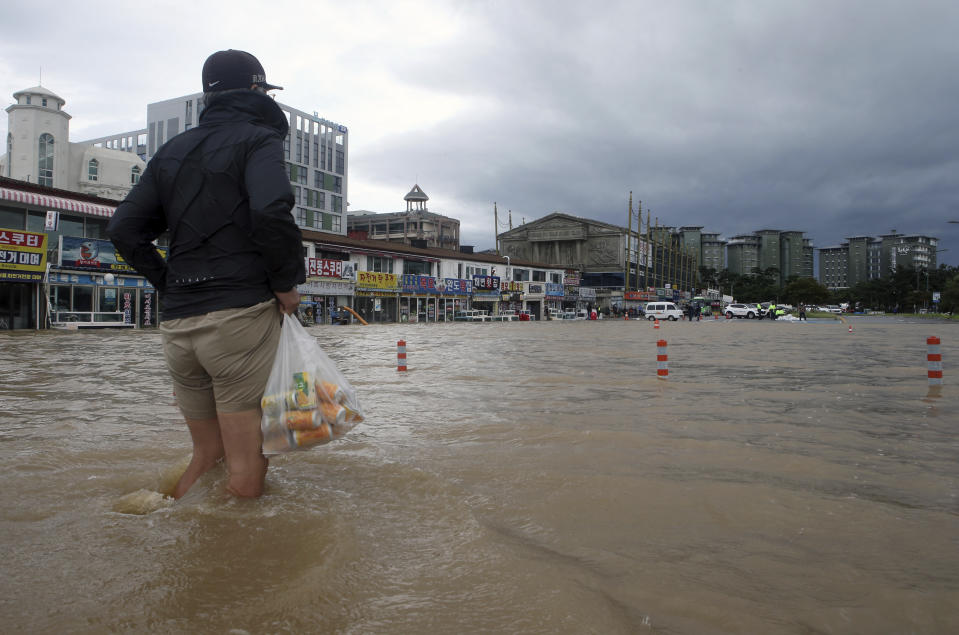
740	311
662	311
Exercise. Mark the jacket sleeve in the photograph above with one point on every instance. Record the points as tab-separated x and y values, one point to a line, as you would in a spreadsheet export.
135	224
271	200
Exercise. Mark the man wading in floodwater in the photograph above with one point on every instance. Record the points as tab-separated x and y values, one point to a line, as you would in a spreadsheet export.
234	261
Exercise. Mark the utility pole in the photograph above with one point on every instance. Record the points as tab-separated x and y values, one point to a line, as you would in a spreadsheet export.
646	246
682	268
511	219
629	240
656	238
496	226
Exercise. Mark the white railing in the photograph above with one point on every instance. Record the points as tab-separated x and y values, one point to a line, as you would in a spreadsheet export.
88	319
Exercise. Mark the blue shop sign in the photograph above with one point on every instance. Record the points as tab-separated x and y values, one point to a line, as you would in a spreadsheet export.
61	277
457	286
485	283
413	283
554	289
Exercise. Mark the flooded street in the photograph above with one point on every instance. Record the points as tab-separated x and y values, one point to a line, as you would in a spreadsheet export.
519	478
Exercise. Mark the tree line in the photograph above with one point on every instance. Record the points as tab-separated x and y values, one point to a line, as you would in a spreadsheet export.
905	290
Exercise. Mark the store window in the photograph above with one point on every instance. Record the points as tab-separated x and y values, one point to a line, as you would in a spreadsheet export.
82	299
45	161
379	264
418	267
135	174
476	271
95	228
11	218
93	170
60	298
108	299
36	222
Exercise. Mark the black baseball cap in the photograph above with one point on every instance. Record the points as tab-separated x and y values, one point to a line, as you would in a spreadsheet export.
226	70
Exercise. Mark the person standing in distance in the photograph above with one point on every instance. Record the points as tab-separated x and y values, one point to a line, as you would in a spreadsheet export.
234	260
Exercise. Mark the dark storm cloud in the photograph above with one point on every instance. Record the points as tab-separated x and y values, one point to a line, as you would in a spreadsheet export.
834	120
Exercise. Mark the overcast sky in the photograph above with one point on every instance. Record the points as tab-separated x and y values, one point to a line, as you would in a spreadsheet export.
836	118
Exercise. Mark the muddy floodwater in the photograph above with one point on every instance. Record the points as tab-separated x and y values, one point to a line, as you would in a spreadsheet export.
519	478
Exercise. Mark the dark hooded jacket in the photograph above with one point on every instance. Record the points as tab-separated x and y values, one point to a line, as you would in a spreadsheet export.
222	191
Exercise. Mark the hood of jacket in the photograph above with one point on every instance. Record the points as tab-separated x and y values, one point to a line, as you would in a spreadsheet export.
245	105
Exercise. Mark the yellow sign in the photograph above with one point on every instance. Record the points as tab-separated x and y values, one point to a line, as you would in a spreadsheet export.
376	280
23	255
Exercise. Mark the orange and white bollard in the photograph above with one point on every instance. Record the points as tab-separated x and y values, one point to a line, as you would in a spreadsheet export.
656	324
934	359
401	355
662	360
850	328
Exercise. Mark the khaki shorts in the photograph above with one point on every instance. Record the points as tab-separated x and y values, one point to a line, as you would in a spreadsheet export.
220	361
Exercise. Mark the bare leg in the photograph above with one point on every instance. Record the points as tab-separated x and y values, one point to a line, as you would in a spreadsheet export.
243	444
207	450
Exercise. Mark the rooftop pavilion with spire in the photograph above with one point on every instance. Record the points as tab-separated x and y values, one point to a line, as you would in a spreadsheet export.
416	226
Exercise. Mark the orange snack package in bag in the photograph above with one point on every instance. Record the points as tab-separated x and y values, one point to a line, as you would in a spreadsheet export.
307	401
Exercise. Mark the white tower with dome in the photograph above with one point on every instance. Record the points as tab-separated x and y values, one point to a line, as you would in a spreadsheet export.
38	150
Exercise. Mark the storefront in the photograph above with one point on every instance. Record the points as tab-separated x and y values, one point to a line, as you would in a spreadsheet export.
535	298
486	294
418	298
329	284
587	298
376	297
571	281
23	262
554	297
454	297
92	286
83	298
636	300
512	295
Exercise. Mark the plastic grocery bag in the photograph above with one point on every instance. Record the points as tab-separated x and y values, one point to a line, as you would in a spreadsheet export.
307	400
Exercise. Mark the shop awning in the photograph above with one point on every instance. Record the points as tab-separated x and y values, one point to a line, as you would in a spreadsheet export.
55	202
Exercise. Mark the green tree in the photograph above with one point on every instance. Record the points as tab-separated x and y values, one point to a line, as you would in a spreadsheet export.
949	302
805	291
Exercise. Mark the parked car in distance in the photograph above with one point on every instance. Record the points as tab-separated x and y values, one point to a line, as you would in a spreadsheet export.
662	311
832	308
740	311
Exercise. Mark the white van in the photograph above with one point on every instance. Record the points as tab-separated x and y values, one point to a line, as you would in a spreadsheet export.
663	311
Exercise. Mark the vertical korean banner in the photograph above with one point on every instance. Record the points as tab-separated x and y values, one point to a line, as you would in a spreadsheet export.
127	307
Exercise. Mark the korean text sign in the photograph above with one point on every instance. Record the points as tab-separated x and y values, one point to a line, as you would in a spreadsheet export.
486	283
323	268
23	255
376	280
